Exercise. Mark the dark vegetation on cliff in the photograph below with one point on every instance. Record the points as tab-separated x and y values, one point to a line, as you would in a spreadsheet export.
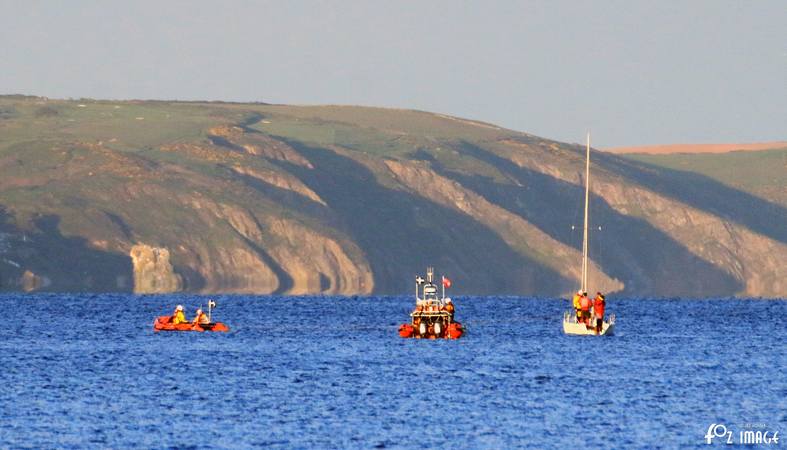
225	197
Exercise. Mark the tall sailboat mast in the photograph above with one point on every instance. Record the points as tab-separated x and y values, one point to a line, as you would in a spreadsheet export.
584	285
579	322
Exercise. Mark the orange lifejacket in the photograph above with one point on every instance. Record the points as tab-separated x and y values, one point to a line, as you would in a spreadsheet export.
598	307
449	307
201	319
585	303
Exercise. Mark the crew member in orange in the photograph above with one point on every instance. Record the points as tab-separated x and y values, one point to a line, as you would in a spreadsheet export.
179	316
585	304
449	307
200	318
598	311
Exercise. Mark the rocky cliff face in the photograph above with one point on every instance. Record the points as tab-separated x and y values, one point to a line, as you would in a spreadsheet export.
516	231
153	272
340	200
268	255
748	261
31	282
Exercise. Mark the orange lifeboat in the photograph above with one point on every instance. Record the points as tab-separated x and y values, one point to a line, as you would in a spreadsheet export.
164	323
433	317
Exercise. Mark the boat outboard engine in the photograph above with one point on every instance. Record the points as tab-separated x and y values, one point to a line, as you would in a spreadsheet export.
437	328
422	329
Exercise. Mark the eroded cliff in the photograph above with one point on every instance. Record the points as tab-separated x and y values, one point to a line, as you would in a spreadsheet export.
273	199
153	272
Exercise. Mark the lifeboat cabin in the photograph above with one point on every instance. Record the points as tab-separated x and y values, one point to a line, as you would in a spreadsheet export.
433	317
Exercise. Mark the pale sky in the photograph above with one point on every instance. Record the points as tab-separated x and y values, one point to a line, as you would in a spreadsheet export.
633	72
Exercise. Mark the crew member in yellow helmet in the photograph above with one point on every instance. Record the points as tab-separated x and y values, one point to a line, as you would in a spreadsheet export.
179	316
577	305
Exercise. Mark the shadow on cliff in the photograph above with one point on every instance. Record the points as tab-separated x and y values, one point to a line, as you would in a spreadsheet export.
627	248
400	233
285	280
61	263
293	200
704	193
296	204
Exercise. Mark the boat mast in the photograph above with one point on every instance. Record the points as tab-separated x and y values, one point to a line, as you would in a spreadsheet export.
584	286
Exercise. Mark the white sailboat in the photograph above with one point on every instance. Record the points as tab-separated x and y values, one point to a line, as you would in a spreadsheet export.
570	323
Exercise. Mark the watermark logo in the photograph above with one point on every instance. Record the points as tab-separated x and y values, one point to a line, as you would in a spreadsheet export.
751	434
718	430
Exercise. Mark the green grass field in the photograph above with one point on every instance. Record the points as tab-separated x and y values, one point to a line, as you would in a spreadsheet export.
763	173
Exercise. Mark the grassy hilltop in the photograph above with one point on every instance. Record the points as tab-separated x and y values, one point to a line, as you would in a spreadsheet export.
157	196
762	173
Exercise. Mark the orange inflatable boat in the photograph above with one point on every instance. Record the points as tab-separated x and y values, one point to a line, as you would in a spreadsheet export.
164	323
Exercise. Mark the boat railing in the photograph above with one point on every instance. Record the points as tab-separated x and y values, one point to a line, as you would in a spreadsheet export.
570	316
430	313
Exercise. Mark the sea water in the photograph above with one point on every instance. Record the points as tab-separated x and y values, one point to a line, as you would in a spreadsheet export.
331	372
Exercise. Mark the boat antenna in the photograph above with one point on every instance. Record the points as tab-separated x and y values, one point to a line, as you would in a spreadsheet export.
211	305
584	284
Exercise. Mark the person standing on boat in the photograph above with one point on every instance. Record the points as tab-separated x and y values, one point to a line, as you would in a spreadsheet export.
577	306
598	310
585	304
449	307
179	316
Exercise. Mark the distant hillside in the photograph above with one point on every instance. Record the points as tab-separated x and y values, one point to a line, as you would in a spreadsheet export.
226	197
698	148
762	173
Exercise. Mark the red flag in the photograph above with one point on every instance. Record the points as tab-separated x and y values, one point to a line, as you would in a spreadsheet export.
446	283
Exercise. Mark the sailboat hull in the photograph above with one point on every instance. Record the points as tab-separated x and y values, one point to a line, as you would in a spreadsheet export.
576	328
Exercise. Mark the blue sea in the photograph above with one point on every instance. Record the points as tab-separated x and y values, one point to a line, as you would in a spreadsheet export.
81	371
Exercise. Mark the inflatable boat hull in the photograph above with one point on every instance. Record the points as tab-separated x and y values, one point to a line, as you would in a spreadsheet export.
163	323
453	331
